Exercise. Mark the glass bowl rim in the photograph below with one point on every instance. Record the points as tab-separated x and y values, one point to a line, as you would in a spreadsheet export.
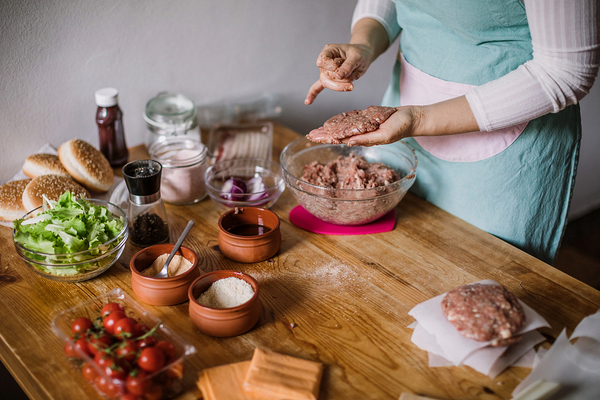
208	178
393	185
122	233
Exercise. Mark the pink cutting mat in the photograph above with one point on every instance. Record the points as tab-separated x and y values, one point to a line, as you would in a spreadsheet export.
305	220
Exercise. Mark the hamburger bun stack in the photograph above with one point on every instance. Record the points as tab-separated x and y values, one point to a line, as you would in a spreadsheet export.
11	200
51	186
87	165
44	164
77	167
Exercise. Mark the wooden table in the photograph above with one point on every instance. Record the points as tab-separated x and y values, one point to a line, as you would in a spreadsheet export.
340	300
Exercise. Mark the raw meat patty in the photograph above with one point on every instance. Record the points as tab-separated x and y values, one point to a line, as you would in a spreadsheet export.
484	312
350	172
352	123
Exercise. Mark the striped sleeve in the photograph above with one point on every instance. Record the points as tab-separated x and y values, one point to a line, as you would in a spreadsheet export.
565	35
383	11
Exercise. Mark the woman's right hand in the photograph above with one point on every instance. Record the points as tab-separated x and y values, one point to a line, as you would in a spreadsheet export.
340	65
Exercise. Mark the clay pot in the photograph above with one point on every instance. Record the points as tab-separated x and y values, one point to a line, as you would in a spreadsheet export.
223	322
254	248
162	291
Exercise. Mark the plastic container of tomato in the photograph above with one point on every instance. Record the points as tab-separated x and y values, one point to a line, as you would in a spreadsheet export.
116	366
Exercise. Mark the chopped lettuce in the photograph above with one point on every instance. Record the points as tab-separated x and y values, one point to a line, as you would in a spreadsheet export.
69	230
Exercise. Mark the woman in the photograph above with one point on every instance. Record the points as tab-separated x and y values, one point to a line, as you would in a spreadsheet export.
488	93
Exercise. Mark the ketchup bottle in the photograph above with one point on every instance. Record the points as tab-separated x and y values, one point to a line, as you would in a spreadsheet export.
109	118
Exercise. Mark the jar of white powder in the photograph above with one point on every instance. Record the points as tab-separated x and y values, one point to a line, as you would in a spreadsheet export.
184	164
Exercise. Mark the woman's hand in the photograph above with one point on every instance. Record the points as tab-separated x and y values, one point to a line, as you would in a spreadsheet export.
340	65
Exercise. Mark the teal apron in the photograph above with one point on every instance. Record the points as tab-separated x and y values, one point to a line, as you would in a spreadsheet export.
521	193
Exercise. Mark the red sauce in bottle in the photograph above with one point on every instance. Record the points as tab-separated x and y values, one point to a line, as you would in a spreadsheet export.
109	118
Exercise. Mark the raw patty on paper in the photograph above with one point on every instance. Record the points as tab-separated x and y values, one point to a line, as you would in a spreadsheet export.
484	313
351	123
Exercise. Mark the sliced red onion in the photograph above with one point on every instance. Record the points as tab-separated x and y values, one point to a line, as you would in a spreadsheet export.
233	189
256	188
256	185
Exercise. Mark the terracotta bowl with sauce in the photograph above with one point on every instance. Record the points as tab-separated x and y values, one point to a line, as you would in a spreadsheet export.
223	322
162	291
249	234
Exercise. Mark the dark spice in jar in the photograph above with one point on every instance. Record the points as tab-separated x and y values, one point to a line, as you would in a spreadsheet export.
149	229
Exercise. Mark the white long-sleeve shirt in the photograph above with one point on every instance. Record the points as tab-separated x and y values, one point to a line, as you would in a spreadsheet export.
565	35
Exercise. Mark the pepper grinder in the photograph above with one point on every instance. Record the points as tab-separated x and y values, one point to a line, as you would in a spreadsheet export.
148	221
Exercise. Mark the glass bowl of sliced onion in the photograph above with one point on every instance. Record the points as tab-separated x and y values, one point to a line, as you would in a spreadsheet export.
244	182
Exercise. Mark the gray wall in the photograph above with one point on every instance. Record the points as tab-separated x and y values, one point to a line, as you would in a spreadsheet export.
55	53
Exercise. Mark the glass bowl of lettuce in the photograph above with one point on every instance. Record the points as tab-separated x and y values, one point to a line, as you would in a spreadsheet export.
72	239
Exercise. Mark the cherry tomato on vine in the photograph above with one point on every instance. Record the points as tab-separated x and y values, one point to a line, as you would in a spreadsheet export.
148	341
128	350
151	359
125	328
104	360
89	372
108	387
141	329
81	325
138	383
98	343
116	372
69	350
168	349
110	321
110	307
83	347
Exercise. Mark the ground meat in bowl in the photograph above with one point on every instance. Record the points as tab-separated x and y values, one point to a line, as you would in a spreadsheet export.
350	172
484	313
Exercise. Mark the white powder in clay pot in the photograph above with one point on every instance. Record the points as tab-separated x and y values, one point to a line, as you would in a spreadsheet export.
177	266
226	293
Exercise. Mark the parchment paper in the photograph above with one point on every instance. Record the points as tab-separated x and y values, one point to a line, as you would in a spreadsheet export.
575	367
489	360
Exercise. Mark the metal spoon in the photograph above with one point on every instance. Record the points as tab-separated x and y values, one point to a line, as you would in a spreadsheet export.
164	272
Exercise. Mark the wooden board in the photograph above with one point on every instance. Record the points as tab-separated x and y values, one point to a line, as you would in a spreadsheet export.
340	300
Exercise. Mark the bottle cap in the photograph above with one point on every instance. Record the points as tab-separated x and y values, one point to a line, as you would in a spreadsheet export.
107	97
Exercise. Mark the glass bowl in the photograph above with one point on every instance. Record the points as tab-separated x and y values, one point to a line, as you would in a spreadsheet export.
347	206
245	169
80	266
164	383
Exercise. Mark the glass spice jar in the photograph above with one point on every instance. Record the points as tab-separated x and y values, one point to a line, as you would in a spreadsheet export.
170	115
148	221
184	163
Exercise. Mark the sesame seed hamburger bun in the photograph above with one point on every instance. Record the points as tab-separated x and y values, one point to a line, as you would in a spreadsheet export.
11	200
52	186
44	164
87	165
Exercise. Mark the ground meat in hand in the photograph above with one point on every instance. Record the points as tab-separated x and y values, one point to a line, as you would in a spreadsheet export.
352	123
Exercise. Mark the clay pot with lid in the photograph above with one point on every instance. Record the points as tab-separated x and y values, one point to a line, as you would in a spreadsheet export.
162	291
223	322
249	248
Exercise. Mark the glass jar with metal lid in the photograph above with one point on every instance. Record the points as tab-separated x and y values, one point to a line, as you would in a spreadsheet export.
184	163
170	115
